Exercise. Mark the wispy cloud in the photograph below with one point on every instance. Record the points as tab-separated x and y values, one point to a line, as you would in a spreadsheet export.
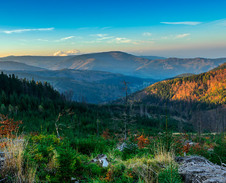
122	40
66	38
221	22
147	34
179	36
27	30
101	37
67	53
181	23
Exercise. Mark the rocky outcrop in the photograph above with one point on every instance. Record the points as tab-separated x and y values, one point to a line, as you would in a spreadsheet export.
197	169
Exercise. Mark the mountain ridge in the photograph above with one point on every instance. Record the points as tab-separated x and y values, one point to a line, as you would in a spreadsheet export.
123	63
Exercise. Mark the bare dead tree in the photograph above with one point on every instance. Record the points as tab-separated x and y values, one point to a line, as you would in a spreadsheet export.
126	91
58	124
126	119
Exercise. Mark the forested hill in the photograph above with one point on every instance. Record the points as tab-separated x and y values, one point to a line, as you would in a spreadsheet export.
22	94
199	99
207	87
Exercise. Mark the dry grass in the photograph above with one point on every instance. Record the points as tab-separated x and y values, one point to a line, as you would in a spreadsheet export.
14	161
163	156
148	168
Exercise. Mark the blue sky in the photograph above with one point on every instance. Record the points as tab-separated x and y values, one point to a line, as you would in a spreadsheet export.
175	28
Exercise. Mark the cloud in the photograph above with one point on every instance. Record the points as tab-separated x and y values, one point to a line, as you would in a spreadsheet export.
100	35
67	53
122	40
66	38
181	23
27	30
103	37
147	34
179	36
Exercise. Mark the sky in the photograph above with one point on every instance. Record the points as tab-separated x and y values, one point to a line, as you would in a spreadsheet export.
170	28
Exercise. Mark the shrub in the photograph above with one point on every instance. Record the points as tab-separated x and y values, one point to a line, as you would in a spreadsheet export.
8	126
129	151
66	162
41	150
142	141
96	145
170	175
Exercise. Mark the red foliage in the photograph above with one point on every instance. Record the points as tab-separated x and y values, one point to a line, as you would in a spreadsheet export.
8	126
142	141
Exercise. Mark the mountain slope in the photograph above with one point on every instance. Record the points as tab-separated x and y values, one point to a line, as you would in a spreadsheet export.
11	65
91	86
199	99
209	87
123	63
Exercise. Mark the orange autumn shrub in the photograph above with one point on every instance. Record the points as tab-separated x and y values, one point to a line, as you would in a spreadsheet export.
142	141
8	127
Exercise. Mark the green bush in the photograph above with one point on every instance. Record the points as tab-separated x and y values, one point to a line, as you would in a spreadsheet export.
41	150
170	175
129	151
90	145
67	162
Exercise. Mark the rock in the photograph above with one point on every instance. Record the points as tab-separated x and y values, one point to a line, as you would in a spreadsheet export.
122	146
197	169
102	159
125	145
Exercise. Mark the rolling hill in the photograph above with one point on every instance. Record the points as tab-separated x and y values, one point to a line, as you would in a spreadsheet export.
122	63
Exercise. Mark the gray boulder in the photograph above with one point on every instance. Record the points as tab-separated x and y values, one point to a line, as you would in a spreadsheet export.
102	160
197	169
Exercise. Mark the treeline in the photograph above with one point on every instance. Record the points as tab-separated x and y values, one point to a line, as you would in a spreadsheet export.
24	94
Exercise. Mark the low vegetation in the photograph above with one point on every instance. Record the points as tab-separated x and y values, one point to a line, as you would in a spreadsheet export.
44	157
